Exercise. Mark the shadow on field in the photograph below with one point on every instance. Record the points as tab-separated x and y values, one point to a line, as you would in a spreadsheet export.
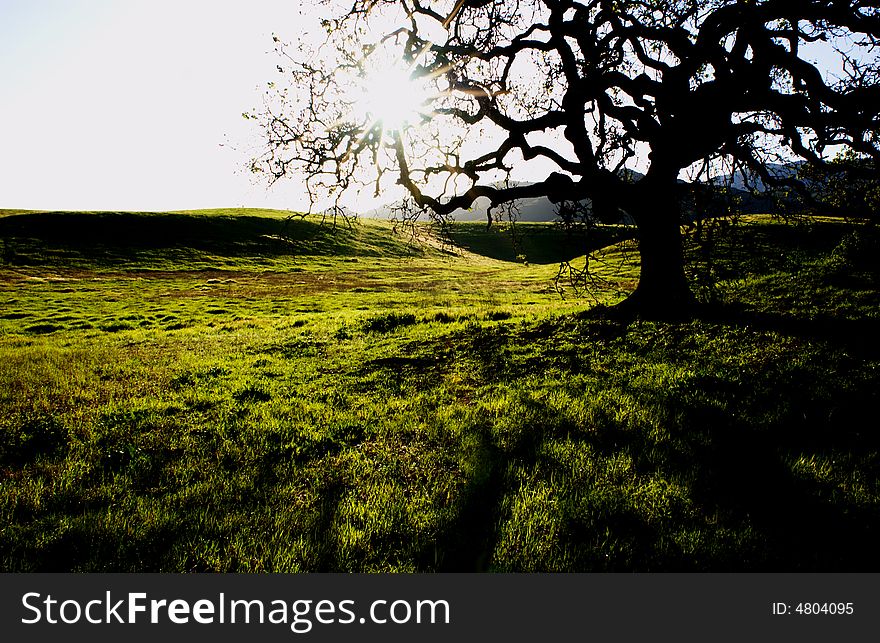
742	440
467	544
116	236
857	335
538	243
728	465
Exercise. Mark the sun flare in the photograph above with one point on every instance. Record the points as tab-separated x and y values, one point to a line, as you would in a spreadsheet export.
392	98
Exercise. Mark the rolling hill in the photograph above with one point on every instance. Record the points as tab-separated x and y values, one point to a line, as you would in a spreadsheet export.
214	398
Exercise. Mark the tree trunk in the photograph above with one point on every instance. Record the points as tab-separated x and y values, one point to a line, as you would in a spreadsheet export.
663	291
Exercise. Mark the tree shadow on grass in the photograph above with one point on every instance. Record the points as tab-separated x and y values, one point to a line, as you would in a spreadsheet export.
467	543
860	335
719	464
91	542
766	468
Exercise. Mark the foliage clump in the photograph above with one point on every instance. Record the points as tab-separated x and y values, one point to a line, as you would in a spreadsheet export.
387	322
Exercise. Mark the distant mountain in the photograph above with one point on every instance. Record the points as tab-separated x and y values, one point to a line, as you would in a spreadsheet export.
749	181
536	209
747	187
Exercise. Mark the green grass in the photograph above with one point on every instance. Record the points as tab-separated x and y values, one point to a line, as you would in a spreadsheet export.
200	239
528	242
212	395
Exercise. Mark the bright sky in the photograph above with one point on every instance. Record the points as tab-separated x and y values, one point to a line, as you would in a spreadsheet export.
136	105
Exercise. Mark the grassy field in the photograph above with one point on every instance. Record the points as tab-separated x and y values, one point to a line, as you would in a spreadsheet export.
231	390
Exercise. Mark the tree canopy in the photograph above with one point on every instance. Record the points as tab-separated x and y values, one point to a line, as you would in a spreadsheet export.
617	100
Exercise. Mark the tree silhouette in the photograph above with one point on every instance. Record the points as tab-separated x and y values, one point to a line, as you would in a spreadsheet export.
594	89
848	186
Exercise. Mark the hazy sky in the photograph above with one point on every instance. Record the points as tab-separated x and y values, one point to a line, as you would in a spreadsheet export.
136	104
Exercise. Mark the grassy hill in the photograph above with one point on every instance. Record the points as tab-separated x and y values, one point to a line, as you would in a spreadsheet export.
541	243
210	394
187	239
39	237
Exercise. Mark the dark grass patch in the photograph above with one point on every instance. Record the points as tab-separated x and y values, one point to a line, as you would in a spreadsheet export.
115	327
42	329
252	393
33	436
387	322
194	377
444	318
119	238
532	242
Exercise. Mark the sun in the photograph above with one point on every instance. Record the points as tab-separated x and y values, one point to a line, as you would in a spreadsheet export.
393	99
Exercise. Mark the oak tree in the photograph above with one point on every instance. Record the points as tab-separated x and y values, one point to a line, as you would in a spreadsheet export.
619	100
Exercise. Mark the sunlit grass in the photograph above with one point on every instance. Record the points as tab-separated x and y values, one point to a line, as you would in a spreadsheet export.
355	402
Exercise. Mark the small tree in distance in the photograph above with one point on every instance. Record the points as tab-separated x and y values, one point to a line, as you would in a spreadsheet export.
594	89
